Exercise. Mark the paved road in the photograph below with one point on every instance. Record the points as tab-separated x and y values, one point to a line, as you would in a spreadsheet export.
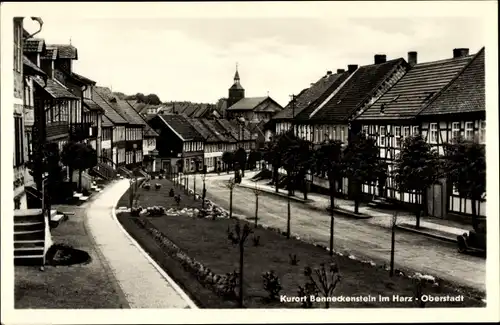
359	237
142	283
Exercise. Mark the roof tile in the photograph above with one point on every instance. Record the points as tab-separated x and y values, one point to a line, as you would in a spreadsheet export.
34	45
415	89
180	124
247	103
109	111
65	51
361	83
464	94
310	95
55	89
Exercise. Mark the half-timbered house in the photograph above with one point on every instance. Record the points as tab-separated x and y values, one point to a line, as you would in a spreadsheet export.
392	117
457	111
330	117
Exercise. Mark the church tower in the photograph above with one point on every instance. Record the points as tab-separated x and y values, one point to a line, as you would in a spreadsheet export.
236	92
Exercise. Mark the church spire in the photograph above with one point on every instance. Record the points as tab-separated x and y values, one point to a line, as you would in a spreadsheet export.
236	75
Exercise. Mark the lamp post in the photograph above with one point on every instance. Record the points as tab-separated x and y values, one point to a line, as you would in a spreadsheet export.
256	191
204	191
231	185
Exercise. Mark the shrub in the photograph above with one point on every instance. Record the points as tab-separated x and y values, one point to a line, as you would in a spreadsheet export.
227	285
272	284
306	292
293	259
256	240
177	199
135	211
85	192
157	186
156	211
146	186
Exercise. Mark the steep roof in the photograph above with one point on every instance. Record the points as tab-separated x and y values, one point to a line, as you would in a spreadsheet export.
66	51
309	96
465	94
148	131
360	85
180	125
109	111
205	132
247	103
30	65
218	130
91	105
237	132
34	45
82	79
106	122
50	54
55	89
415	89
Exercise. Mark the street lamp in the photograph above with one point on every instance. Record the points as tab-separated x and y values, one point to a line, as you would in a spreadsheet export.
204	191
256	191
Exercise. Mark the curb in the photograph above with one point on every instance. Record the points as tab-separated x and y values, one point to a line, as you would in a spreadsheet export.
292	198
174	285
296	199
424	233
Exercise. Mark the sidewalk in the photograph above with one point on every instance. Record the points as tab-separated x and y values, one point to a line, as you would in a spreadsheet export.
89	285
443	229
143	283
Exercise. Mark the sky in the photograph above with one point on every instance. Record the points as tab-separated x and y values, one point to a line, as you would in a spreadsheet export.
194	58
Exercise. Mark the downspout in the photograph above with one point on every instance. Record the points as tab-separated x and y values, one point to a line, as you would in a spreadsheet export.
81	108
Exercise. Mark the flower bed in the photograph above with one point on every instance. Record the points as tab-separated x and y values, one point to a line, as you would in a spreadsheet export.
222	284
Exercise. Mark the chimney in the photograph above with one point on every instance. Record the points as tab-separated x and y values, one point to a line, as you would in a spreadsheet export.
458	53
352	67
412	58
340	70
328	73
380	58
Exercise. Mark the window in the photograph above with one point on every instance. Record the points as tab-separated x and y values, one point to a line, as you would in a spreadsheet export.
469	130
455	130
482	131
415	130
365	129
18	53
397	136
19	143
433	132
406	131
382	136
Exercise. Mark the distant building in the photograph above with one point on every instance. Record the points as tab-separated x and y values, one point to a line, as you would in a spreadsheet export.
253	109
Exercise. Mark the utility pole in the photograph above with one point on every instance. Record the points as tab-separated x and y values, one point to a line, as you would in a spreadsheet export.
293	113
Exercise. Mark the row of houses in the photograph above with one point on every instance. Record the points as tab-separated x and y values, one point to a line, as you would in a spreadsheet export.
198	142
54	105
390	100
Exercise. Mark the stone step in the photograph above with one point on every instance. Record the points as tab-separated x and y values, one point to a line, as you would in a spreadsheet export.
29	243
77	195
28	251
37	259
29	235
28	226
83	198
28	215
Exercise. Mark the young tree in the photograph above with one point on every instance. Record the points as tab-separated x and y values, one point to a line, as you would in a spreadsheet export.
465	167
328	157
323	280
79	156
417	168
360	159
240	157
238	237
228	159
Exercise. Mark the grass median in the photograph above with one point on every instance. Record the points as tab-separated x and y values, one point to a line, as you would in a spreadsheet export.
206	241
